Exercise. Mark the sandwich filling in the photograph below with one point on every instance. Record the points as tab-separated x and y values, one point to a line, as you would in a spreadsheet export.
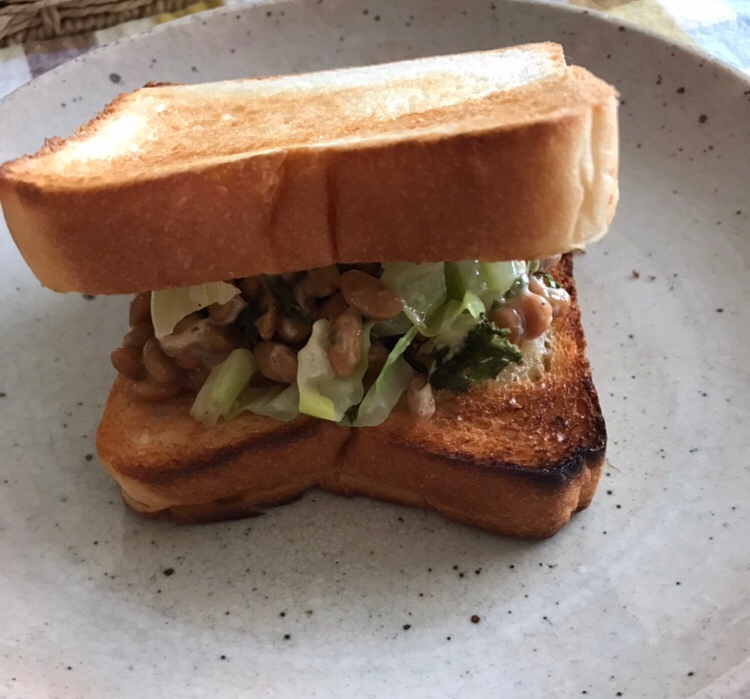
341	343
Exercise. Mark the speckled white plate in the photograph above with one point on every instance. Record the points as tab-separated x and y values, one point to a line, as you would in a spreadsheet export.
646	594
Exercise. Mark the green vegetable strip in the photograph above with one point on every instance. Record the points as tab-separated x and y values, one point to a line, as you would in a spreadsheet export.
448	313
420	286
480	277
463	276
223	386
279	403
322	393
388	387
499	276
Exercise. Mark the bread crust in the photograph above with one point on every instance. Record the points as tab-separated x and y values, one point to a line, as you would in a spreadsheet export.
514	459
516	174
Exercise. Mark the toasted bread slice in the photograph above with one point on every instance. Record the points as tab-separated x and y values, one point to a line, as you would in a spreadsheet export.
495	155
515	457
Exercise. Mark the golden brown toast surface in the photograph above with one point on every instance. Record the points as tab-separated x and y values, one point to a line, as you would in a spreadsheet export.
164	127
515	458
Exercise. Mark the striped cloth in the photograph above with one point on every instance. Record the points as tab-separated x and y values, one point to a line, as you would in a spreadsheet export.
719	27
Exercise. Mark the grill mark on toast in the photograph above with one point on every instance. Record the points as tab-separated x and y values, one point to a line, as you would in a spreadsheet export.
286	438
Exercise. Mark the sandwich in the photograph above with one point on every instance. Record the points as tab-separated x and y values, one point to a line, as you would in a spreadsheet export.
359	280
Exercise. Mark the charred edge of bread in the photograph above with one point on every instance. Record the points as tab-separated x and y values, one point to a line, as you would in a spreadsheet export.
551	477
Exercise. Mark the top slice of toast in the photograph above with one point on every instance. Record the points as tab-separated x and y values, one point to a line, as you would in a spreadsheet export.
507	154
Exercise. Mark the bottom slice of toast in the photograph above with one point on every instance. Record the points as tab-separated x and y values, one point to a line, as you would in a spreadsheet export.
515	456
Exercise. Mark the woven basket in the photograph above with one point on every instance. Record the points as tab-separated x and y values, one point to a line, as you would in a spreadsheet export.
39	20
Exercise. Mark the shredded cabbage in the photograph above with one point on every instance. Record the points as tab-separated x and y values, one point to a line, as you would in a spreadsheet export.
420	286
442	301
279	403
383	395
455	323
396	326
321	393
447	314
223	386
170	306
461	277
455	334
480	277
499	276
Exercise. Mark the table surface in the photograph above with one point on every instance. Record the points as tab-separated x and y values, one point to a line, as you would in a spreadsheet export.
721	28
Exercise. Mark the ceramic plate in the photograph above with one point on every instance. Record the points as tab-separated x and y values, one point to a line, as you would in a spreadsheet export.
645	594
